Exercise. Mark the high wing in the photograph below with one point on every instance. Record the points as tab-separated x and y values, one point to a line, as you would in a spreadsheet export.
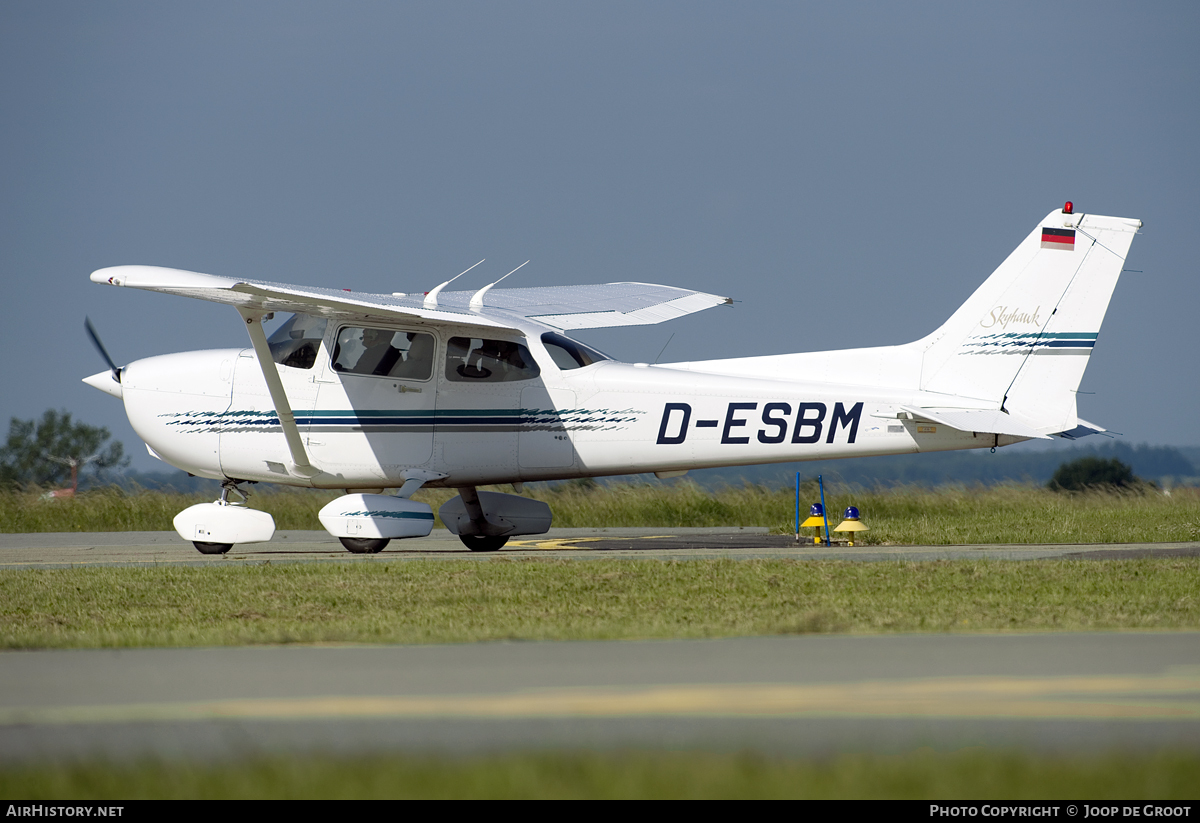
555	307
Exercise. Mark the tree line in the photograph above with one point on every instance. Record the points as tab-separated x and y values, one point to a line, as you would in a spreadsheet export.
56	451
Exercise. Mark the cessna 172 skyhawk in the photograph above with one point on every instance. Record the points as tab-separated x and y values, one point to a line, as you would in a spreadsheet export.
366	392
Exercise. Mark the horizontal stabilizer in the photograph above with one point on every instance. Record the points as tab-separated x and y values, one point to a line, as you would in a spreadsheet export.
979	421
1082	430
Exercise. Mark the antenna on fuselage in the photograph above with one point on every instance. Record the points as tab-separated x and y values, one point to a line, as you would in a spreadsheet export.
431	297
477	300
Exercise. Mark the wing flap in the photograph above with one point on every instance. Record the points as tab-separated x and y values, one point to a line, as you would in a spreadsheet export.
594	307
980	421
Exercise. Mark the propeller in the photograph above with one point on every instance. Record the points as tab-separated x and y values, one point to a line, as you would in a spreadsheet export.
87	324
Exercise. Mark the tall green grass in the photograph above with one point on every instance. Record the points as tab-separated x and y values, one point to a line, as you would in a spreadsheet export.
924	774
901	516
465	601
113	509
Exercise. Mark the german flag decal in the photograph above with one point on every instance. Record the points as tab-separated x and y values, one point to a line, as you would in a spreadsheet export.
1058	239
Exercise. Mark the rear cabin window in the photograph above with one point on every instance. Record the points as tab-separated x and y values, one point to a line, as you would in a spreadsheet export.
475	360
296	342
384	353
570	354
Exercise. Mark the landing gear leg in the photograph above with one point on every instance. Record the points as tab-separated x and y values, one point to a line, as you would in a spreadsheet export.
479	542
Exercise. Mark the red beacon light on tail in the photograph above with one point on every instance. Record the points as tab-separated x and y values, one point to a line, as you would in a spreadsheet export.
1068	207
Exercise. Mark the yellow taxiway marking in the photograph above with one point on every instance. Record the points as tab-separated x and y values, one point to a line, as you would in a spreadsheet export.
1163	697
569	542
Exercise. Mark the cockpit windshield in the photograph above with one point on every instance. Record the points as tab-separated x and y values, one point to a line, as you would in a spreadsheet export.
296	342
570	354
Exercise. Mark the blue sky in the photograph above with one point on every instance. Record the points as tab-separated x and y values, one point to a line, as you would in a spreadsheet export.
849	172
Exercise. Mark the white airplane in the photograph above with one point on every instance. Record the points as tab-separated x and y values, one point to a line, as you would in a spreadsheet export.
368	392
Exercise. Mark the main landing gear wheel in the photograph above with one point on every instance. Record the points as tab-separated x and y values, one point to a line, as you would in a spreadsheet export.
212	548
482	542
364	545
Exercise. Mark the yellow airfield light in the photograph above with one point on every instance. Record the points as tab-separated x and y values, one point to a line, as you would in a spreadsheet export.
816	519
851	523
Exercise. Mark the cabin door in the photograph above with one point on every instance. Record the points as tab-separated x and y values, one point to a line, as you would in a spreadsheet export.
375	407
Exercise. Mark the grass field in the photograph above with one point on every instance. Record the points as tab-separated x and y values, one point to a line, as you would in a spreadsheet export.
452	601
903	516
467	601
922	775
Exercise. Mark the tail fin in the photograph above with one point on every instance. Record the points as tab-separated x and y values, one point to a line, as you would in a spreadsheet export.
1022	340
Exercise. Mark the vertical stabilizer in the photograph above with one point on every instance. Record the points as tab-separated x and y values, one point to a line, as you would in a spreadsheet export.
1023	339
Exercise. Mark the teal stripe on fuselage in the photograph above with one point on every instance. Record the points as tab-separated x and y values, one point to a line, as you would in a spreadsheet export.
410	420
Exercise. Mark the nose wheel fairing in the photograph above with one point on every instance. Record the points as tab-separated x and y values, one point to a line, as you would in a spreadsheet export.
215	527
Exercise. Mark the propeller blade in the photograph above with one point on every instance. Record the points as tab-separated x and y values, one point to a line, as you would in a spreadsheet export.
87	324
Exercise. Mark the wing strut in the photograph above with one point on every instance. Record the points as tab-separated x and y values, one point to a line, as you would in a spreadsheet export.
283	409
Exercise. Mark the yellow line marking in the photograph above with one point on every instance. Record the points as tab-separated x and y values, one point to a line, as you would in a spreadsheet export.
1164	697
568	542
559	543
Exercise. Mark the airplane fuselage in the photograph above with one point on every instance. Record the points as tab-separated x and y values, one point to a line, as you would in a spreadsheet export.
210	413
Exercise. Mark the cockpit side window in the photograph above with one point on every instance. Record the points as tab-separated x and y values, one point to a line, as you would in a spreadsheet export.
570	354
474	360
384	353
295	343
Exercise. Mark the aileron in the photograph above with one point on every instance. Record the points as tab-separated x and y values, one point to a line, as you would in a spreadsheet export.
283	297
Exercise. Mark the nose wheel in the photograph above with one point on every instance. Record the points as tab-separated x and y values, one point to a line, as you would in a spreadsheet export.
223	509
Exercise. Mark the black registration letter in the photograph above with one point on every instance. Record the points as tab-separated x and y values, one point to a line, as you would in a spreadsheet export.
663	440
840	415
803	421
730	422
778	422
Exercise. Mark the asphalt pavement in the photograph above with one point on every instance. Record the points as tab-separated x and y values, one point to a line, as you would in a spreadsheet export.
804	695
66	549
